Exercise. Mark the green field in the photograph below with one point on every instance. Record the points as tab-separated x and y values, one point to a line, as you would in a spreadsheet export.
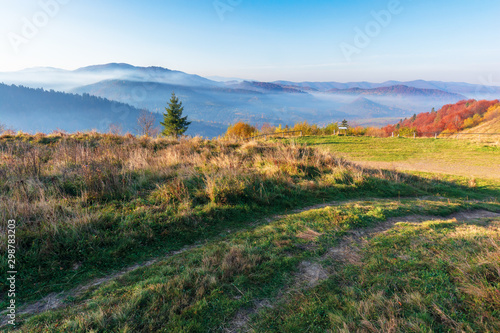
407	149
123	234
448	156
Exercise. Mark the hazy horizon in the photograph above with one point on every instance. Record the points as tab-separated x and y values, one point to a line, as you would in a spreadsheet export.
219	78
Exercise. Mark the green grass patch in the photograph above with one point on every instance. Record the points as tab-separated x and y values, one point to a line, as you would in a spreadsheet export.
439	276
407	149
202	289
83	202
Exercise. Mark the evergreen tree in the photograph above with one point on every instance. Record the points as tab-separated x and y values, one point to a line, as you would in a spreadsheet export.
173	122
344	123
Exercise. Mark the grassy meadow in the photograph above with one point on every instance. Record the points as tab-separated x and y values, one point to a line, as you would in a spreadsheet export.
465	157
243	235
365	148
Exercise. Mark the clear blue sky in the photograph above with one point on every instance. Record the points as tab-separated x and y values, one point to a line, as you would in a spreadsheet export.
261	39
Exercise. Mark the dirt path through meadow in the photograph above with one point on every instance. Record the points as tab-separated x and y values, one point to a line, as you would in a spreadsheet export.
55	301
312	273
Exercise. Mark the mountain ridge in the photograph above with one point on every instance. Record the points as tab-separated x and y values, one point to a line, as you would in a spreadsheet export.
256	102
375	110
397	90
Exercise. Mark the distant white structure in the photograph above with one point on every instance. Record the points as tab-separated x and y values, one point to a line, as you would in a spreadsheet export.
343	128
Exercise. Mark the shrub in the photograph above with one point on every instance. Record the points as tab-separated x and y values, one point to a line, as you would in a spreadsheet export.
240	130
358	131
375	132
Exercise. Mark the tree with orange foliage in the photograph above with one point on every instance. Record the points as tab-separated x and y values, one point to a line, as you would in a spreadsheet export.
240	130
493	112
450	118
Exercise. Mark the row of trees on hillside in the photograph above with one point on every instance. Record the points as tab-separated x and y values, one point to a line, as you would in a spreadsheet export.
245	130
451	118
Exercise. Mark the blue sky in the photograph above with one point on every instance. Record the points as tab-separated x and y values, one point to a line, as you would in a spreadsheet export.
261	39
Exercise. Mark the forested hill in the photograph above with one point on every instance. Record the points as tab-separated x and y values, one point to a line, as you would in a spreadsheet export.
450	118
39	110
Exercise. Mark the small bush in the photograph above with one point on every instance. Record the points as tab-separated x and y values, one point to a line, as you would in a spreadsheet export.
240	130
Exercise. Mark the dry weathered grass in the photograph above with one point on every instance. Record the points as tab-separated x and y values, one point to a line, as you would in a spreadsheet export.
88	204
73	194
46	180
309	234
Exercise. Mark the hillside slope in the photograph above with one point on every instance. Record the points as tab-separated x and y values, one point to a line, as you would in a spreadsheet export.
399	91
491	126
225	105
490	122
125	234
38	110
451	118
369	108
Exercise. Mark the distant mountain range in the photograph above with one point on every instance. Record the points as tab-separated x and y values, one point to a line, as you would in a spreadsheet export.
467	89
397	91
216	104
370	109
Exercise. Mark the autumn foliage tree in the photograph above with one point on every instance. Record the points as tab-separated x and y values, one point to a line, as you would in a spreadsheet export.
450	118
240	130
493	112
305	128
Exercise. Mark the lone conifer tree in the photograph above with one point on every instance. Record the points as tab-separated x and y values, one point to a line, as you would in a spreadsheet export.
173	122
